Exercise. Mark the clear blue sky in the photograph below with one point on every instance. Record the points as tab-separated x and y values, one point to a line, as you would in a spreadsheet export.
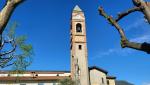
47	25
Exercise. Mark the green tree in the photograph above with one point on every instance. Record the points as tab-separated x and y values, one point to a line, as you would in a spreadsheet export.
20	55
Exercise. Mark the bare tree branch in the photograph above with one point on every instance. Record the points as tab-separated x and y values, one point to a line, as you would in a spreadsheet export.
138	46
3	62
2	45
146	8
1	42
6	12
3	66
13	44
123	14
113	22
124	41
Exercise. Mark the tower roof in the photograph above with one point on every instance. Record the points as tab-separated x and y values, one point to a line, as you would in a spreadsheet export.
77	8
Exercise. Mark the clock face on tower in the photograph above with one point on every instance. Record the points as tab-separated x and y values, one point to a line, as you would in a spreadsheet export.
78	17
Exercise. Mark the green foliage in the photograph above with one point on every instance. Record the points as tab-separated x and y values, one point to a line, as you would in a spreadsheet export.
67	81
11	31
22	56
20	40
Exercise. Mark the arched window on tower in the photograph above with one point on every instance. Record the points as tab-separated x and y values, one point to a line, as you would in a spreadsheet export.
78	27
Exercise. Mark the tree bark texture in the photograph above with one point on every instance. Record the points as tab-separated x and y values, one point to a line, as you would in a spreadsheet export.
6	12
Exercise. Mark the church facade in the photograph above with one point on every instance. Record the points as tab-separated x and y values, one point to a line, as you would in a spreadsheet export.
80	72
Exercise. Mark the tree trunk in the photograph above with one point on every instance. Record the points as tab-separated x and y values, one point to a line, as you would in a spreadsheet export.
138	46
6	13
146	8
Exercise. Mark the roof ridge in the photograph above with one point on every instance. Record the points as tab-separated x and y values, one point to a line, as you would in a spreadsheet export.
98	68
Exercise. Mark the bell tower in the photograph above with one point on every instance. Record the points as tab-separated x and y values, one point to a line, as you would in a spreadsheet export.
79	59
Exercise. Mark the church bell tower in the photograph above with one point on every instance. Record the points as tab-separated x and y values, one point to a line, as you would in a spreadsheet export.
79	59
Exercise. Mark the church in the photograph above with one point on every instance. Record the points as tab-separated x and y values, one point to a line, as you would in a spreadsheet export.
80	71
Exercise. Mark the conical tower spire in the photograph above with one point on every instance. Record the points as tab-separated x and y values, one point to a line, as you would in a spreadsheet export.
77	8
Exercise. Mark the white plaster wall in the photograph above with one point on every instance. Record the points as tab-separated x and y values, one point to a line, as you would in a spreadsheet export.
111	81
96	77
64	74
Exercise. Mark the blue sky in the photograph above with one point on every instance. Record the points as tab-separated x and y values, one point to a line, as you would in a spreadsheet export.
47	25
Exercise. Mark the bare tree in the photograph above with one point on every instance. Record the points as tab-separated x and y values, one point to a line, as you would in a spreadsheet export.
140	6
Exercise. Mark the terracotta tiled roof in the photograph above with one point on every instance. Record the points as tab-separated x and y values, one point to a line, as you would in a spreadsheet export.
32	78
38	72
35	78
